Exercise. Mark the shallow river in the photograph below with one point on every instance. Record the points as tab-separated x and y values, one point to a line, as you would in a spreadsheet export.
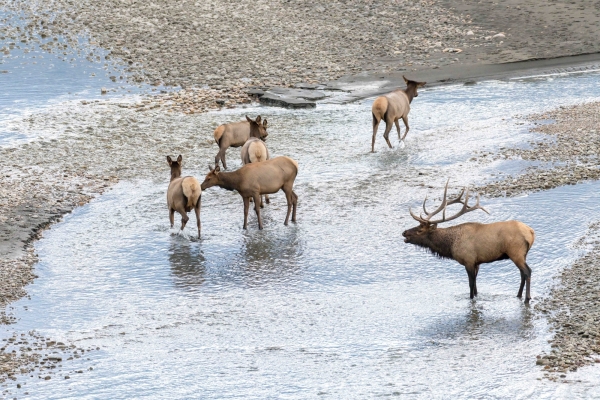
335	306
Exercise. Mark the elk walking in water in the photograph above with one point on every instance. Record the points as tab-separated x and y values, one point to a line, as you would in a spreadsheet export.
472	243
253	180
236	134
183	194
255	150
391	107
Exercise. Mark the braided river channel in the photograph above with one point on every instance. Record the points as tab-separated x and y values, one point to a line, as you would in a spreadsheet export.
334	306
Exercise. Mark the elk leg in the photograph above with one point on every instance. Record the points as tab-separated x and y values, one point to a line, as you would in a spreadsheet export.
246	207
172	216
267	199
405	119
290	199
295	205
257	206
375	126
217	158
398	128
386	133
523	279
184	218
197	211
471	275
475	280
261	202
528	281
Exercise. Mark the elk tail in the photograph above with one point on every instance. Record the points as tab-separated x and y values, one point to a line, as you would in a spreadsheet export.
379	109
191	190
218	134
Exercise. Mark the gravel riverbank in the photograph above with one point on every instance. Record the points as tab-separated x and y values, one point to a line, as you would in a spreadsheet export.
573	310
567	155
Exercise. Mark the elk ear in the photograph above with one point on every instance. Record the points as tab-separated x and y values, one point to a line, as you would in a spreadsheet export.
179	159
421	84
405	80
258	119
217	170
248	119
169	160
265	123
210	168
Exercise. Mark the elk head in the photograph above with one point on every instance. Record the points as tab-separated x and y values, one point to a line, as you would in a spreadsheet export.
421	235
257	129
175	166
411	87
212	178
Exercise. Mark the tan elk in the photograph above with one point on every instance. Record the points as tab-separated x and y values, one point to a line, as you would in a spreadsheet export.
236	134
183	194
472	243
253	180
255	150
391	107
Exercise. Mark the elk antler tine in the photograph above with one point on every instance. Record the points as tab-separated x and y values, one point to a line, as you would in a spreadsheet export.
479	207
416	217
424	209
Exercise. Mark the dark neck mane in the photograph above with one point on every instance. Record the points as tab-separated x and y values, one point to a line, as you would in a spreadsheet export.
440	242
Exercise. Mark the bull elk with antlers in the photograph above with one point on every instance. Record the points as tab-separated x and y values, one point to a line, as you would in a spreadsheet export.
472	243
391	107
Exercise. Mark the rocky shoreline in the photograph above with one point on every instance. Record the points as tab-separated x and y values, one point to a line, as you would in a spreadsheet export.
568	155
573	311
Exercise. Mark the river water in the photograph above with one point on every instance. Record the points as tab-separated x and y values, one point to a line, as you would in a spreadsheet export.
335	306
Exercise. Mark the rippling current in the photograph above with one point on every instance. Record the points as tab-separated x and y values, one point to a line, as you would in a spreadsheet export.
335	306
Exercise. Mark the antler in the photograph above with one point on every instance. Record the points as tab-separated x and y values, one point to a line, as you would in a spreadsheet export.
442	208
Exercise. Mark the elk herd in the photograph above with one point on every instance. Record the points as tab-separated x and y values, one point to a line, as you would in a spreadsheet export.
470	244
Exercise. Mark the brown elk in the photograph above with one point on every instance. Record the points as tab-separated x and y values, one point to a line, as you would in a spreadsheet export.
472	243
253	180
236	134
183	194
391	107
255	150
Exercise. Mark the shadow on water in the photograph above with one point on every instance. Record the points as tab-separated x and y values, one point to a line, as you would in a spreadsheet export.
265	258
187	263
480	320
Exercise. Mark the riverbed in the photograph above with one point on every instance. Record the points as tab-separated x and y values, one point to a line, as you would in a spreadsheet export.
336	305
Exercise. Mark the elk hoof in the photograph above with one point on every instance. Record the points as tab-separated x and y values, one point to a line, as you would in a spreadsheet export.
527	300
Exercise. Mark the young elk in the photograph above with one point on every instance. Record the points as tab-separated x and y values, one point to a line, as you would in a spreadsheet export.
236	134
391	107
472	243
183	194
255	150
255	179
